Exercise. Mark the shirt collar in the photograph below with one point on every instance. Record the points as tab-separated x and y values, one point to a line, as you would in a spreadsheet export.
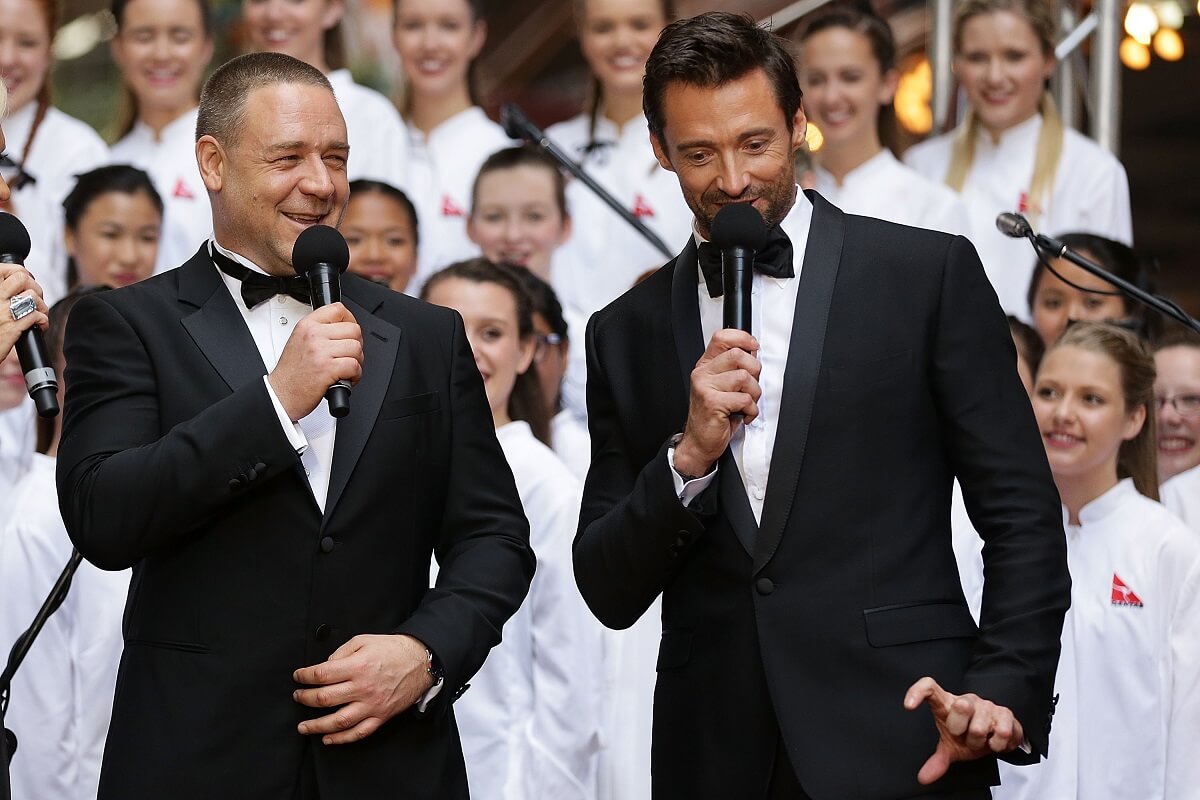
1107	503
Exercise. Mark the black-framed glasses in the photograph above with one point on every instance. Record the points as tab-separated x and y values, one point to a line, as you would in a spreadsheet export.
1186	405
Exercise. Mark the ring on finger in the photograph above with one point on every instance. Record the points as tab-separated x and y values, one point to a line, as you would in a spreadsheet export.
21	306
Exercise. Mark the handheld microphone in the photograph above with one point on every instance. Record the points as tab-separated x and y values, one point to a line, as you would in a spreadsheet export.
1013	225
320	255
738	231
40	379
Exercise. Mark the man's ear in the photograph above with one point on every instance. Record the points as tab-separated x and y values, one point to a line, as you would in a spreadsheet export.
212	160
799	128
660	153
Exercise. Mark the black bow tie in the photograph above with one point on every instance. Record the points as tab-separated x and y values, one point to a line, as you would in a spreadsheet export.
774	260
259	288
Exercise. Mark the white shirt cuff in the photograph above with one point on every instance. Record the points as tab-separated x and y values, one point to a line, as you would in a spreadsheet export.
427	698
687	491
291	429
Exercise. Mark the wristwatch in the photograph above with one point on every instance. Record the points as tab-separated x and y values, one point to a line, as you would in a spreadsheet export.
434	668
671	444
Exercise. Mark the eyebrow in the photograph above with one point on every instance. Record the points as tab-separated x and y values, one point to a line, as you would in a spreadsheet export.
298	145
751	134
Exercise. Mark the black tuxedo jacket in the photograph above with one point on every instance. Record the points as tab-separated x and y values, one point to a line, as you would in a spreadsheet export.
173	461
900	376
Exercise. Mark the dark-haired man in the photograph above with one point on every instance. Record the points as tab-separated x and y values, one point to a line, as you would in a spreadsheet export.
811	604
280	626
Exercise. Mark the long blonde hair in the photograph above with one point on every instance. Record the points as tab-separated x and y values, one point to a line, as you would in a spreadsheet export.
1138	457
1039	14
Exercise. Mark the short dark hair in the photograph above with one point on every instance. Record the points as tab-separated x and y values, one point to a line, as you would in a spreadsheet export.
714	49
90	186
1028	343
545	301
524	156
223	99
364	186
1177	336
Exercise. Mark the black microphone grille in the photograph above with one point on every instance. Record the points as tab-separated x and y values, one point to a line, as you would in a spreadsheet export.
739	225
14	239
1013	225
320	244
516	125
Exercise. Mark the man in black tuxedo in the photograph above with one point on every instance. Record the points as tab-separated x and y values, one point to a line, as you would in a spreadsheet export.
811	602
282	640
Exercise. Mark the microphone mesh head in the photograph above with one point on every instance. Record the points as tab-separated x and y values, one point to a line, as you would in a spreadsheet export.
14	239
319	244
739	225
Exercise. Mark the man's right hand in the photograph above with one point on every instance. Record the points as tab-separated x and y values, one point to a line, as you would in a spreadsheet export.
326	347
724	382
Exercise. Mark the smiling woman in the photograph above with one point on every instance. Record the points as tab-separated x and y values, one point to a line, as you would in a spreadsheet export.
113	223
162	48
1011	152
47	148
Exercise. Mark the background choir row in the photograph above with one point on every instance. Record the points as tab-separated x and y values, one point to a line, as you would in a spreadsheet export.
561	709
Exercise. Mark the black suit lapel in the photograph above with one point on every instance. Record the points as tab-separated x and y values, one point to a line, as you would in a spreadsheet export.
822	256
381	341
217	326
689	346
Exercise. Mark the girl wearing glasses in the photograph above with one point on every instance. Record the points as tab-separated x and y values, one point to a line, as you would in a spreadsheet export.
1177	392
1128	680
529	723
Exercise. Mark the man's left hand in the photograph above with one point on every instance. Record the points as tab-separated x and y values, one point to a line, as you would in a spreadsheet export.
968	726
369	679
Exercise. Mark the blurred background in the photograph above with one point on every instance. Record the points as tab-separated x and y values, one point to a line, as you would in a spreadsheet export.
532	58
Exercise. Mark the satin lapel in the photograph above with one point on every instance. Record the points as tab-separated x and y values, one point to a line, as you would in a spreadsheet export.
822	256
217	326
381	342
689	346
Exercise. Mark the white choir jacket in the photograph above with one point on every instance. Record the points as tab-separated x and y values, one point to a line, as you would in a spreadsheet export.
605	255
442	172
883	188
377	138
170	161
529	723
62	695
1127	723
1090	195
572	442
1181	495
62	148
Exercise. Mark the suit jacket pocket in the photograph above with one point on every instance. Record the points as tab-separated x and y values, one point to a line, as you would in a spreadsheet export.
918	622
674	650
408	406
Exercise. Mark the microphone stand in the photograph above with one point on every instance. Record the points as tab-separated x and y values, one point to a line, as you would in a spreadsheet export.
518	126
19	651
1056	249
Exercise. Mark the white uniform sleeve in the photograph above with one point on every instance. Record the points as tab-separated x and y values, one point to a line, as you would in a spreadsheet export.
563	736
1183	730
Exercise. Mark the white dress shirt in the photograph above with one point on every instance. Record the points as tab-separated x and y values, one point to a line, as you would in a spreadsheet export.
442	171
1127	723
169	158
883	188
1090	195
63	147
271	324
1181	494
773	305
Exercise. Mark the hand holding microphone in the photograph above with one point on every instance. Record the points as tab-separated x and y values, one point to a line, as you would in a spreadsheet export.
324	356
26	313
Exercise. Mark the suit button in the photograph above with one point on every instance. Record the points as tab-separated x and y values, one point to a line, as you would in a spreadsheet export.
322	632
260	468
327	544
764	586
252	473
237	483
